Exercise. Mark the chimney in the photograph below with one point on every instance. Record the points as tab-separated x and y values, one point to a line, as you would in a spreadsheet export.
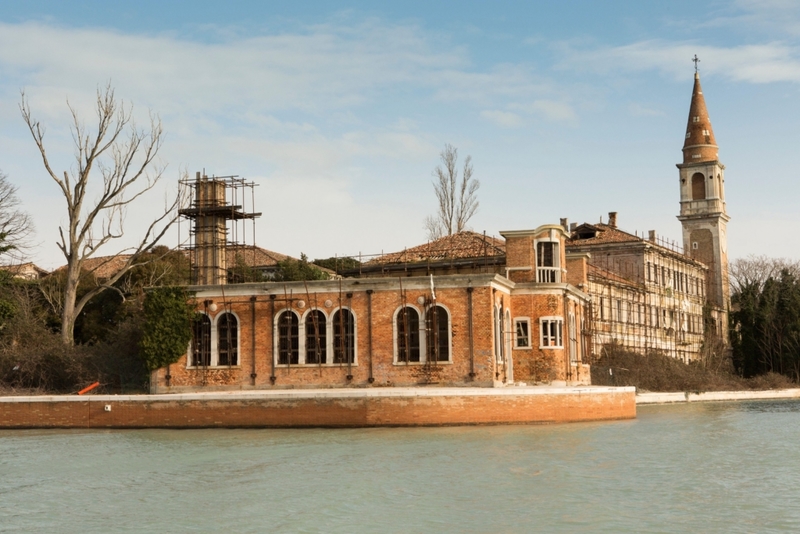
651	235
565	224
612	219
572	227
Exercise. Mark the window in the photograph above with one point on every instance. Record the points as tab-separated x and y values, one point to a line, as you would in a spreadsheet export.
407	330
550	333
547	264
344	338
437	334
522	333
499	346
201	341
227	339
573	339
316	337
288	338
602	308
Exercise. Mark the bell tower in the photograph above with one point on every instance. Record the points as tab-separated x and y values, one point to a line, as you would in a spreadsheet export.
703	213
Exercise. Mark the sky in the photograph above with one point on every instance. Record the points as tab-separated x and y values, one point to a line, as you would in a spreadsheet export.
339	111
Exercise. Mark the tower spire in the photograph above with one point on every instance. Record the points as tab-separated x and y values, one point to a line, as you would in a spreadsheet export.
700	145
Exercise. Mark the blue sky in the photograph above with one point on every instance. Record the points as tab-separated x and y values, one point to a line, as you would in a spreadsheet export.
339	111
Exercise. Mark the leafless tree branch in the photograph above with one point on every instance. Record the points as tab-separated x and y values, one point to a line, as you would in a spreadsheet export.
458	201
123	157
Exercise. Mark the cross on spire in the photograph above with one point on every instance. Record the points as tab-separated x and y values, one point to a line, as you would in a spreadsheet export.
696	61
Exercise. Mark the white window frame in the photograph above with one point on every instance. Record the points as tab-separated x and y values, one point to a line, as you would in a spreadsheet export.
301	341
527	322
558	342
423	336
543	273
301	331
301	353
214	357
331	334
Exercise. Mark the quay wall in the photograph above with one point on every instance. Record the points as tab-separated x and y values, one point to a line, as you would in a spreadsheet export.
322	408
716	396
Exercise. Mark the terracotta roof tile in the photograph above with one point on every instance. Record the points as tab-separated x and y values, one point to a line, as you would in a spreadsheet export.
462	245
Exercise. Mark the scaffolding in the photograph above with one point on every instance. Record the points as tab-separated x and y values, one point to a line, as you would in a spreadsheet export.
217	221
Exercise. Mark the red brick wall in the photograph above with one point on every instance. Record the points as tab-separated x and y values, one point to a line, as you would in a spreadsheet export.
384	371
411	410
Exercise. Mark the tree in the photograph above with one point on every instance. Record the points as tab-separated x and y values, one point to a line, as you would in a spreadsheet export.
458	201
15	224
117	164
290	270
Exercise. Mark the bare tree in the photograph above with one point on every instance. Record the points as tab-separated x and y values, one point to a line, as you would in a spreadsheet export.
458	201
755	270
15	225
117	163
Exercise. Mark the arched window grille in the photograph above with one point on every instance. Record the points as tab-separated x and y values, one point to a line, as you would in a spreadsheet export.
288	338
437	330
227	339
407	328
316	337
344	336
201	341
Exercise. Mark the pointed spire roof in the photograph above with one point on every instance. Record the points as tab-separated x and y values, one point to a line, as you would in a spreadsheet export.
700	145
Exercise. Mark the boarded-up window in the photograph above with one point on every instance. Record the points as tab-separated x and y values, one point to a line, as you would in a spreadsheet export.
698	186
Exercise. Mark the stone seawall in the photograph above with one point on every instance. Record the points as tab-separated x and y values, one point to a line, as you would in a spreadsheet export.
323	408
716	396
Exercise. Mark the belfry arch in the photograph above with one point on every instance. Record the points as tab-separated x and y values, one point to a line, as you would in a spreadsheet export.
698	186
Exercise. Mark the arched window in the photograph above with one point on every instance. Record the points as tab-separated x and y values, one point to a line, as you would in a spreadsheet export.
344	336
227	339
288	338
316	337
437	333
698	186
201	341
407	328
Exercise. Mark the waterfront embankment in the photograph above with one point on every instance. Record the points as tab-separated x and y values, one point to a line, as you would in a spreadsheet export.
427	406
715	396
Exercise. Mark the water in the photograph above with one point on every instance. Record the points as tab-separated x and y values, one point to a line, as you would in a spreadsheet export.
732	467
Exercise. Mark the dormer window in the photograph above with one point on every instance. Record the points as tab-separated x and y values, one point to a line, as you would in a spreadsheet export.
695	119
547	262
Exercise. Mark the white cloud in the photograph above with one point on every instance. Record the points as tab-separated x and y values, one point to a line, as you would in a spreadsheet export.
502	118
762	63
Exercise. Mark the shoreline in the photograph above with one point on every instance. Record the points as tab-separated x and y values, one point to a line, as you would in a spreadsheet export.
296	408
648	398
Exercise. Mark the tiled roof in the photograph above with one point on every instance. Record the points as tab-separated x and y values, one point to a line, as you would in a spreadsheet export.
603	234
462	245
24	270
104	267
253	256
700	144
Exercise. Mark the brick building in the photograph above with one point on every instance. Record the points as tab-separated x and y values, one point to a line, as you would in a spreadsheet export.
473	328
467	309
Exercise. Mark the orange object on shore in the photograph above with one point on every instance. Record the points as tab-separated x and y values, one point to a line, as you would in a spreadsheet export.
88	388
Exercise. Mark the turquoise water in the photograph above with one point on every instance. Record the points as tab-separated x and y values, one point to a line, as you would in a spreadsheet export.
721	467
